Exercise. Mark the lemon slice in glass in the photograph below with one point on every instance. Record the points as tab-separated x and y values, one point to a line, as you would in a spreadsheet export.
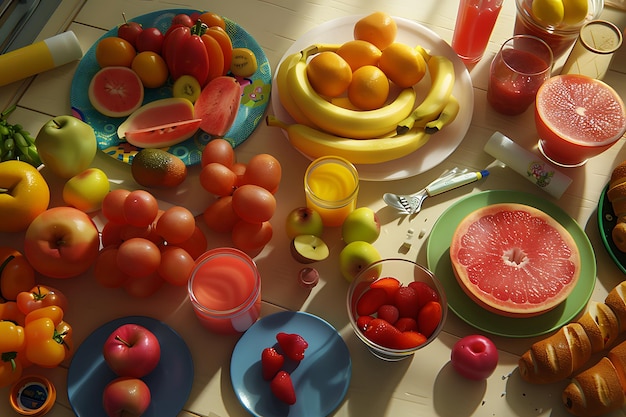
575	11
550	12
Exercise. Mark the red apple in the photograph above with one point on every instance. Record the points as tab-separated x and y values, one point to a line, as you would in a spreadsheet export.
474	357
132	350
61	242
126	397
129	31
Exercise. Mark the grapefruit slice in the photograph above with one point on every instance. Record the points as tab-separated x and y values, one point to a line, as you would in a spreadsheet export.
116	91
514	260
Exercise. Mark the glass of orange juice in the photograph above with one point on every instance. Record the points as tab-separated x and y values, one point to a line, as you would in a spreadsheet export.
331	186
225	290
577	117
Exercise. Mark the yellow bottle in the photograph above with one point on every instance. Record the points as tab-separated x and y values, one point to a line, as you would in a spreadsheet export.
39	57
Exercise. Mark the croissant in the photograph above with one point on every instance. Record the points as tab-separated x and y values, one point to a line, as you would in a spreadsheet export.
565	352
599	389
617	197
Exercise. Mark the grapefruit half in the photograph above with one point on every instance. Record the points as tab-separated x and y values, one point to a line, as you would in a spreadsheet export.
514	260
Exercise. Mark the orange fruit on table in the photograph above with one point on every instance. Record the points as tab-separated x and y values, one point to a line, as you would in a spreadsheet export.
113	51
358	53
329	74
369	88
378	28
151	69
24	194
402	64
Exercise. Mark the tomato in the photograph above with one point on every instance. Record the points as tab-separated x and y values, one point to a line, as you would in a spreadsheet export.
138	257
254	204
250	237
219	216
176	225
114	51
140	208
182	19
41	296
218	150
144	286
150	39
176	265
218	179
212	19
265	171
113	205
196	245
16	273
106	271
151	69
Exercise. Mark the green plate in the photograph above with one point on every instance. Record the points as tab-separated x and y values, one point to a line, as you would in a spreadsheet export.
606	222
438	254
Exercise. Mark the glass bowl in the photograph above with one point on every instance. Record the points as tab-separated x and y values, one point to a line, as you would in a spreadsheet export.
405	271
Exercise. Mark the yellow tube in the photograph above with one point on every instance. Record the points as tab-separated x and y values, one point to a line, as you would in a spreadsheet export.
39	57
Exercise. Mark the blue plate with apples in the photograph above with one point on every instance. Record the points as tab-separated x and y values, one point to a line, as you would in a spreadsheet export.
255	95
170	382
320	380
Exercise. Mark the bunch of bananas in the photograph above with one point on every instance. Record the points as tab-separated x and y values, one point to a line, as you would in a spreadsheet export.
15	142
362	137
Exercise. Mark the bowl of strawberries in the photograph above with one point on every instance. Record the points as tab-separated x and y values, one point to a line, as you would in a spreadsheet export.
396	307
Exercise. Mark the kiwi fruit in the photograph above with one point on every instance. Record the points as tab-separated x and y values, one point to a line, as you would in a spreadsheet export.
157	168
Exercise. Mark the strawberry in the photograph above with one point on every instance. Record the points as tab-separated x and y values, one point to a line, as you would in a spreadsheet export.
389	284
271	362
370	301
388	312
406	323
425	292
293	345
362	322
407	302
409	339
282	388
382	333
429	317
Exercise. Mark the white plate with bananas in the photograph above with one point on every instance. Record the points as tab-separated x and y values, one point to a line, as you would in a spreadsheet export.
390	158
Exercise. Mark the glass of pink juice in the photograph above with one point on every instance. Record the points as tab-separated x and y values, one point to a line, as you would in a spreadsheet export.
516	73
331	186
475	20
225	290
577	117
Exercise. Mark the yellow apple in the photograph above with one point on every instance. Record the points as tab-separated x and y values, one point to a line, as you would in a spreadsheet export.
86	190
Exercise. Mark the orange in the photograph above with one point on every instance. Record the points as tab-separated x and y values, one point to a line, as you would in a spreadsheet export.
402	64
358	53
329	74
369	88
113	51
212	19
151	69
377	28
24	194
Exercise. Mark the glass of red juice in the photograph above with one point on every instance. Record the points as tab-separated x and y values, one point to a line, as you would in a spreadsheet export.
225	290
475	20
517	71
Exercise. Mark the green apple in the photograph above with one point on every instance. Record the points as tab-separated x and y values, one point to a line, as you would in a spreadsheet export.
309	248
66	146
355	257
361	224
303	221
85	191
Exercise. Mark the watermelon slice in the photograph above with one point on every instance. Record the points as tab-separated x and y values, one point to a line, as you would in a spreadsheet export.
514	260
218	105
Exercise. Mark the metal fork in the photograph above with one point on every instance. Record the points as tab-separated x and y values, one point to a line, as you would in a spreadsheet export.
449	180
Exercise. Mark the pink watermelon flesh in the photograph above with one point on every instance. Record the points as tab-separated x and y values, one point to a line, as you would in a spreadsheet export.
514	260
162	136
218	105
116	91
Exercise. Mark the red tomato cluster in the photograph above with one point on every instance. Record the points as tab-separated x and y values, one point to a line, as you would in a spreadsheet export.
196	45
245	192
144	246
397	316
33	332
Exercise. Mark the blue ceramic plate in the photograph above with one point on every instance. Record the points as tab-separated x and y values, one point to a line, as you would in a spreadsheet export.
438	254
254	100
320	380
170	382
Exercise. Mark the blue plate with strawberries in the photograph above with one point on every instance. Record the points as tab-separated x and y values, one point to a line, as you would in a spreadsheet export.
320	380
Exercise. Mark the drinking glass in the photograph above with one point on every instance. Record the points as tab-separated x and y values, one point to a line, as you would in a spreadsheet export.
517	71
475	20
